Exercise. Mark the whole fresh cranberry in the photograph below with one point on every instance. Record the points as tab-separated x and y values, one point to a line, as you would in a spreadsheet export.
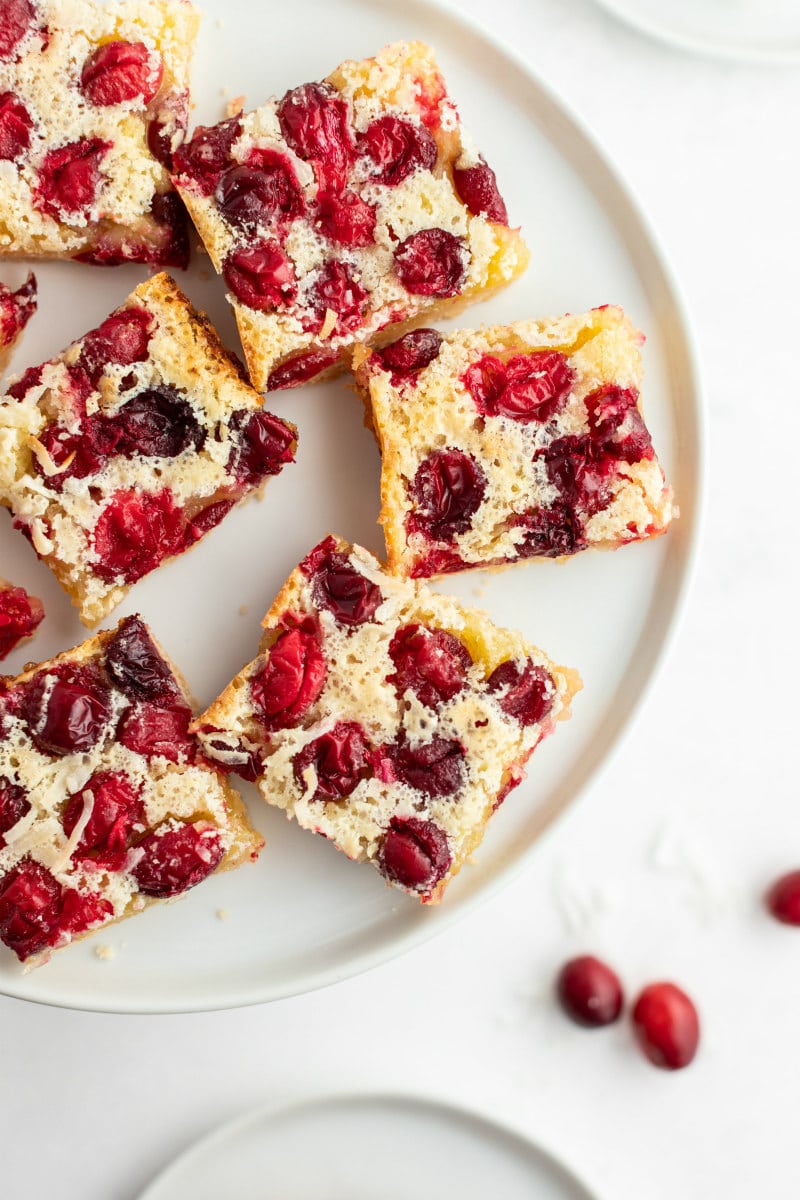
199	163
260	275
158	423
15	127
20	617
69	178
264	190
783	898
432	663
341	589
448	489
589	991
345	218
314	119
290	681
415	854
67	710
528	387
14	804
175	859
115	808
435	768
18	17
666	1026
431	263
551	532
135	532
527	692
158	730
120	71
411	353
477	187
262	445
121	340
398	147
135	665
301	369
337	289
338	759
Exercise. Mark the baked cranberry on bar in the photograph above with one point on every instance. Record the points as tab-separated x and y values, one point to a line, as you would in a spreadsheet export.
94	98
345	209
385	717
16	309
128	447
20	616
512	442
106	803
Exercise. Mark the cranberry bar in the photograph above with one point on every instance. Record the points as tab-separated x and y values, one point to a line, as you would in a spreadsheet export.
94	98
345	209
16	309
106	803
385	717
20	617
132	444
512	443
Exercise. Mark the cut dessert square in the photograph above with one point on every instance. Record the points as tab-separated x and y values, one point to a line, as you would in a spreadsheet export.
344	210
20	616
385	717
128	447
16	309
512	442
106	803
94	98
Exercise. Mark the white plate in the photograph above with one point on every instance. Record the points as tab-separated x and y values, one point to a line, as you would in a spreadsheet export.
766	31
304	916
369	1147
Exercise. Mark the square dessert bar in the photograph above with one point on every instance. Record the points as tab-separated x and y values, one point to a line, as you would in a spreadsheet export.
344	210
385	717
106	803
128	447
20	616
512	442
16	309
94	98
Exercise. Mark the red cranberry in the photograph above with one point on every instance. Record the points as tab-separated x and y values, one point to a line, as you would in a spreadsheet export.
121	340
172	249
173	860
527	693
339	759
20	617
336	288
116	807
415	854
345	218
589	991
261	275
67	710
87	450
314	120
435	768
17	308
616	424
290	681
69	178
15	127
264	191
528	387
398	148
218	751
135	664
158	423
14	804
432	663
783	898
30	906
448	490
344	591
263	443
206	519
411	353
431	263
666	1026
120	71
168	124
80	912
152	729
202	160
579	469
301	368
135	532
551	532
17	18
438	562
477	187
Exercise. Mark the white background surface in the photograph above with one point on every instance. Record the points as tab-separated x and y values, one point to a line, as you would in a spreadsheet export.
665	859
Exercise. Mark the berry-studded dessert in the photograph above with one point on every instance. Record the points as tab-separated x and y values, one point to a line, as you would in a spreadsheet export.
385	717
94	99
106	803
512	442
346	209
16	309
128	447
20	617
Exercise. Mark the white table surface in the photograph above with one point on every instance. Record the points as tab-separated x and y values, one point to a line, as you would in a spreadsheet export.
660	867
